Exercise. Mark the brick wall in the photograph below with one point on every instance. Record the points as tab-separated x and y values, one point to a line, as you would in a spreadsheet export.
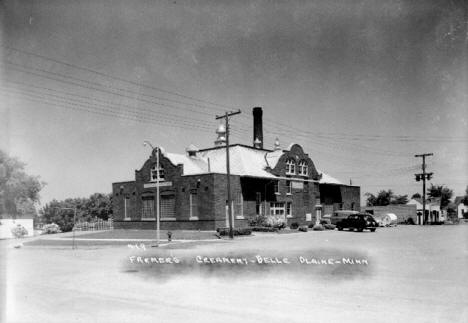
181	189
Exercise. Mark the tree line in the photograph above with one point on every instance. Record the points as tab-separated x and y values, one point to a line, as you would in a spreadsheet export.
388	197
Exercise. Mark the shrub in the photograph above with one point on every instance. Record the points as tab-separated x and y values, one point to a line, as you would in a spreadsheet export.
51	228
259	220
294	225
272	221
275	221
303	228
410	221
19	231
329	226
236	232
264	229
318	227
325	221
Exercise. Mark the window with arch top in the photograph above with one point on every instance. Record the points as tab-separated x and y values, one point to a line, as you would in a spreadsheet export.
154	173
290	167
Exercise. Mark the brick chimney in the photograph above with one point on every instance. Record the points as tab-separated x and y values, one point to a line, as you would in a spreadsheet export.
257	128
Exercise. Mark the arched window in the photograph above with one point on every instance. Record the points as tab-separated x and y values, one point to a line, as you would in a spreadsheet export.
290	167
303	169
154	173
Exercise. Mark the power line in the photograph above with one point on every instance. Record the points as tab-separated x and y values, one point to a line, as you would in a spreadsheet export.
108	112
67	78
105	103
115	77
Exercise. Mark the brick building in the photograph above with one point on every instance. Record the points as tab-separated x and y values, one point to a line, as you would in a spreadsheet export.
193	192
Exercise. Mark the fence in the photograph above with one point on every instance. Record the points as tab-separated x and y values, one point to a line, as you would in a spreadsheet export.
95	225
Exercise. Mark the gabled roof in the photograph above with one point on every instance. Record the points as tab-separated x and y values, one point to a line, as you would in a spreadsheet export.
327	179
244	161
458	200
434	201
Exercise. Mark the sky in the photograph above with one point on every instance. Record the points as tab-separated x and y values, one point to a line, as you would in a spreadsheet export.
362	86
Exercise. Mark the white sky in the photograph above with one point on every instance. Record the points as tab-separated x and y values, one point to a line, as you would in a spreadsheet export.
363	86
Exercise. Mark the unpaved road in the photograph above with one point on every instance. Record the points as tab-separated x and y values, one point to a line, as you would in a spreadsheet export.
415	274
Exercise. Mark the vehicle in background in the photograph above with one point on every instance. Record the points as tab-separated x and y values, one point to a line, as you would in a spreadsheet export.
340	215
359	222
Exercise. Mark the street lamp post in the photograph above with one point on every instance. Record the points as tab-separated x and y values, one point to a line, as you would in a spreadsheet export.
147	143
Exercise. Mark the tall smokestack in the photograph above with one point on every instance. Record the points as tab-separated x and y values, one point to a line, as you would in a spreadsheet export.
257	127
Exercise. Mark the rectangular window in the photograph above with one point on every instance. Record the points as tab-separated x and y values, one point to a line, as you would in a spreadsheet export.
239	205
289	209
290	167
193	207
276	187
154	173
147	208
277	208
167	207
288	187
126	205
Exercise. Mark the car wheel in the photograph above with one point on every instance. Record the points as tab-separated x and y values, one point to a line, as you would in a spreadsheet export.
372	230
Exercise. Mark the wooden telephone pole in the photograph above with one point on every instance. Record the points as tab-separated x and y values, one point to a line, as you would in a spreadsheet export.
228	171
423	176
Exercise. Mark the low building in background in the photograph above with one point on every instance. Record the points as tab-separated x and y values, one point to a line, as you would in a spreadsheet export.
460	207
433	210
193	193
403	212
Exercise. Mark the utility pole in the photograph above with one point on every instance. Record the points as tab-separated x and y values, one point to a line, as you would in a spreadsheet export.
147	143
228	171
423	176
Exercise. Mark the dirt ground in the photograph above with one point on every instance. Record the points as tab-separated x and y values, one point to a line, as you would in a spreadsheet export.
406	274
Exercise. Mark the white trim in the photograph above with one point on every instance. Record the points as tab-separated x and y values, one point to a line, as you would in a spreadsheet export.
193	218
146	219
290	215
168	219
240	217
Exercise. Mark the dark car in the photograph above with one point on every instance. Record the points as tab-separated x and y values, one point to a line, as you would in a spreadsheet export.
358	222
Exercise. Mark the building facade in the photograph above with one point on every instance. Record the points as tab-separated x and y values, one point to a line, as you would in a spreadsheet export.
193	190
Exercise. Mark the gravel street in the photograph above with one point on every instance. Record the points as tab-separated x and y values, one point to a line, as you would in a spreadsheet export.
408	273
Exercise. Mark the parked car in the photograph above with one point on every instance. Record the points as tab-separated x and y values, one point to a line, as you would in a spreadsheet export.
359	222
337	216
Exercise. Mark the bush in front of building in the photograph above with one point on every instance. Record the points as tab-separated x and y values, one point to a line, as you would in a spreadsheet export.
303	228
19	231
318	227
294	225
51	228
271	221
236	232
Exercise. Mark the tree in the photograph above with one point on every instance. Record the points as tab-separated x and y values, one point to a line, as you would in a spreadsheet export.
445	194
416	196
385	198
399	199
19	192
97	206
382	198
